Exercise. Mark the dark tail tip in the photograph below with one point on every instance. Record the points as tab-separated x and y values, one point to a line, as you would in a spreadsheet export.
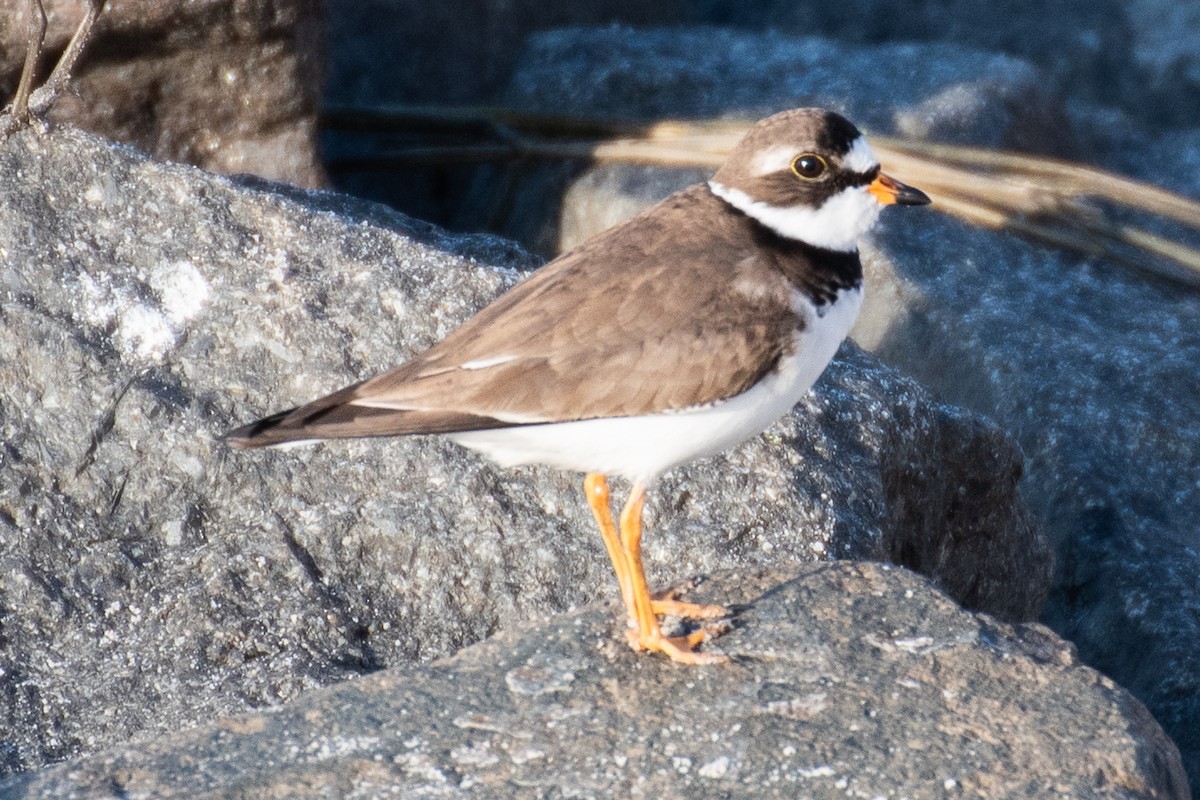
263	433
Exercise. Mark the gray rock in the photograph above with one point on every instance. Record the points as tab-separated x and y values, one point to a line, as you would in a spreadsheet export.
389	51
849	680
1091	366
1139	55
703	72
150	578
1166	53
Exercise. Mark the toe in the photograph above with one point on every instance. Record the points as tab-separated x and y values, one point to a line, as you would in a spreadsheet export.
682	649
678	608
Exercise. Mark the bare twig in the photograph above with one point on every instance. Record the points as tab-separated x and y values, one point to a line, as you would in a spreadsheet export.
56	84
36	35
28	103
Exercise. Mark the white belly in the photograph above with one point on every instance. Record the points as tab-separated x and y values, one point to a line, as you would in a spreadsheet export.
641	448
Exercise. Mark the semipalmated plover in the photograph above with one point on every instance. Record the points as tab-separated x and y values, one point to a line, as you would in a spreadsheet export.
674	335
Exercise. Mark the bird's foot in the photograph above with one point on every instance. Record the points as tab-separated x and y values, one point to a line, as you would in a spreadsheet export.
681	649
667	603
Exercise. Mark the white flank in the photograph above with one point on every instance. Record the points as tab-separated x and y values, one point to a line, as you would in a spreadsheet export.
641	448
837	224
860	158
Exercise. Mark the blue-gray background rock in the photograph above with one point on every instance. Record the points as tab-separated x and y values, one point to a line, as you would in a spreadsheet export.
1138	56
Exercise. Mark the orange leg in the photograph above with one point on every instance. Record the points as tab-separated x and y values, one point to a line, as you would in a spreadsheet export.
648	635
595	486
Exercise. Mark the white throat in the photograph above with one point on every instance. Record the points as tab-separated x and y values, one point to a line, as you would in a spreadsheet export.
837	224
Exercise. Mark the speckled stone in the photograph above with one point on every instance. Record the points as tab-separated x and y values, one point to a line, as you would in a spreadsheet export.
151	578
703	72
848	680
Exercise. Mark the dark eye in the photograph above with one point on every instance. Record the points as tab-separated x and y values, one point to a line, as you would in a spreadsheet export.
809	166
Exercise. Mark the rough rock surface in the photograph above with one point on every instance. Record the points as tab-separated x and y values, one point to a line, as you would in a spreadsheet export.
849	680
151	578
1090	365
752	75
1162	80
387	51
1141	59
229	85
1133	54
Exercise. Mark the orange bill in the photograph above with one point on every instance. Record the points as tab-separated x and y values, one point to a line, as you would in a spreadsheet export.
888	191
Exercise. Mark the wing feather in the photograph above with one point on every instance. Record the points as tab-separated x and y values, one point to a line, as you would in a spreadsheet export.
585	337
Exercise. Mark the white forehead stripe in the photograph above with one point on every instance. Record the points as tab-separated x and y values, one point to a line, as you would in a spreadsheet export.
837	224
773	159
860	158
